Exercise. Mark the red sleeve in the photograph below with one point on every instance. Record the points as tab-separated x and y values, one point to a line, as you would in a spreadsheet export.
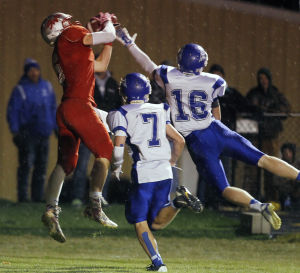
74	33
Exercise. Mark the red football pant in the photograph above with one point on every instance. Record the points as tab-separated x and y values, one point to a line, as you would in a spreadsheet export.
77	121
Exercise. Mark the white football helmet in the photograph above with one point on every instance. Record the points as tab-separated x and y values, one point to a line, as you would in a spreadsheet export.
53	25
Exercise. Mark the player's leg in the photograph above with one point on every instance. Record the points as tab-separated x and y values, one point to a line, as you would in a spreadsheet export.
162	211
149	245
278	167
98	176
137	210
165	216
240	148
96	138
68	145
67	158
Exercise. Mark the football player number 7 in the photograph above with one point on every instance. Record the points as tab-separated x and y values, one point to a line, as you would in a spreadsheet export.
147	118
196	99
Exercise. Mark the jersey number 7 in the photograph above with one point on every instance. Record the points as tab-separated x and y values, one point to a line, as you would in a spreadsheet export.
154	141
196	99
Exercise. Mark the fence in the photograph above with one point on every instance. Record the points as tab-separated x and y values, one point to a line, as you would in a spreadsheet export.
254	180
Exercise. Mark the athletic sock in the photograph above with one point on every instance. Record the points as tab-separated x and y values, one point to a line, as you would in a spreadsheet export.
155	256
255	205
95	194
298	177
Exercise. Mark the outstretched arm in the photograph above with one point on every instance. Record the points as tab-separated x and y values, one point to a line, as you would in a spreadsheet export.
141	57
107	35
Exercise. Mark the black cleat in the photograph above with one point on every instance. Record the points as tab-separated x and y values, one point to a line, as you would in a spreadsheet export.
161	268
184	199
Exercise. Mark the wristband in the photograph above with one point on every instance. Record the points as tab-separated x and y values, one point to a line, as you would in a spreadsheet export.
110	44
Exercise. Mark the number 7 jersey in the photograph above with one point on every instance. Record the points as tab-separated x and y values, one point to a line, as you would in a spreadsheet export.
144	124
190	97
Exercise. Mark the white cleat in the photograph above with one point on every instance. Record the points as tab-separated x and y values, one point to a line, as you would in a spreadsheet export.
95	212
270	215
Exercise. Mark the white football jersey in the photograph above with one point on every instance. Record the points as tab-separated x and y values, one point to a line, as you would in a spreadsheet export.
145	127
190	97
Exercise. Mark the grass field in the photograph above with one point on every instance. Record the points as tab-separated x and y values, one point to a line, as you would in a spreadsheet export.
208	242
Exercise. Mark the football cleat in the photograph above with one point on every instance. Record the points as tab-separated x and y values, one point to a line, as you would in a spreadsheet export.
50	220
94	212
104	203
160	268
184	199
270	215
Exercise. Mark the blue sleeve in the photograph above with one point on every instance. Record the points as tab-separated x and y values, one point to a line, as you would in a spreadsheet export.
164	73
14	108
219	87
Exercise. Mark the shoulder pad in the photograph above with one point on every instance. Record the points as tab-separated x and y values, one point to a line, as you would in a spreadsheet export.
74	33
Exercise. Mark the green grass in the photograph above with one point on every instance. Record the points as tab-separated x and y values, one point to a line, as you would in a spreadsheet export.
208	242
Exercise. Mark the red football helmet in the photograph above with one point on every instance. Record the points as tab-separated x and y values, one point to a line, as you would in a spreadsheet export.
53	26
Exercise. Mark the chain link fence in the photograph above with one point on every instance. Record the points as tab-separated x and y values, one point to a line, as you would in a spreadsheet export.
257	182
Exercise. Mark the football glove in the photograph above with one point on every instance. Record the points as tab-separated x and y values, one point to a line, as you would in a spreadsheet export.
124	37
117	171
118	153
97	23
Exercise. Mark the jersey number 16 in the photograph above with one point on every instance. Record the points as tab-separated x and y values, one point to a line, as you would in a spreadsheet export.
196	99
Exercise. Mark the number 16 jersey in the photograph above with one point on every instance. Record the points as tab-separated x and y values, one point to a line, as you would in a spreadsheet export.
190	97
144	124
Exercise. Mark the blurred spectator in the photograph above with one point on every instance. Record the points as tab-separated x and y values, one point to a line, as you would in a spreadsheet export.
106	94
266	97
31	115
107	98
287	192
158	94
232	103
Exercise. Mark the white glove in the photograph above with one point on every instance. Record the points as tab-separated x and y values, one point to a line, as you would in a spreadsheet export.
117	172
118	161
124	37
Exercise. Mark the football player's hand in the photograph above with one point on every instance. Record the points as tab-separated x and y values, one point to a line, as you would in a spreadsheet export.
117	171
97	23
114	20
124	37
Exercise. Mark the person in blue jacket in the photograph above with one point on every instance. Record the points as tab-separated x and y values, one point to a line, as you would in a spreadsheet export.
31	114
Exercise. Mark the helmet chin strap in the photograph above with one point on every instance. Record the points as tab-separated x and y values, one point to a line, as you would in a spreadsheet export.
136	101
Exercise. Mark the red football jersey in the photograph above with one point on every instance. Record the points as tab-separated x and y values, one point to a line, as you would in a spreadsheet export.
76	63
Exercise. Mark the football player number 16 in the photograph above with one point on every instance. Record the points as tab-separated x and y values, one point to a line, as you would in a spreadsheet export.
196	99
147	118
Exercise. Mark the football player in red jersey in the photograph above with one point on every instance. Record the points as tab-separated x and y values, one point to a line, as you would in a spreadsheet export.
74	64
